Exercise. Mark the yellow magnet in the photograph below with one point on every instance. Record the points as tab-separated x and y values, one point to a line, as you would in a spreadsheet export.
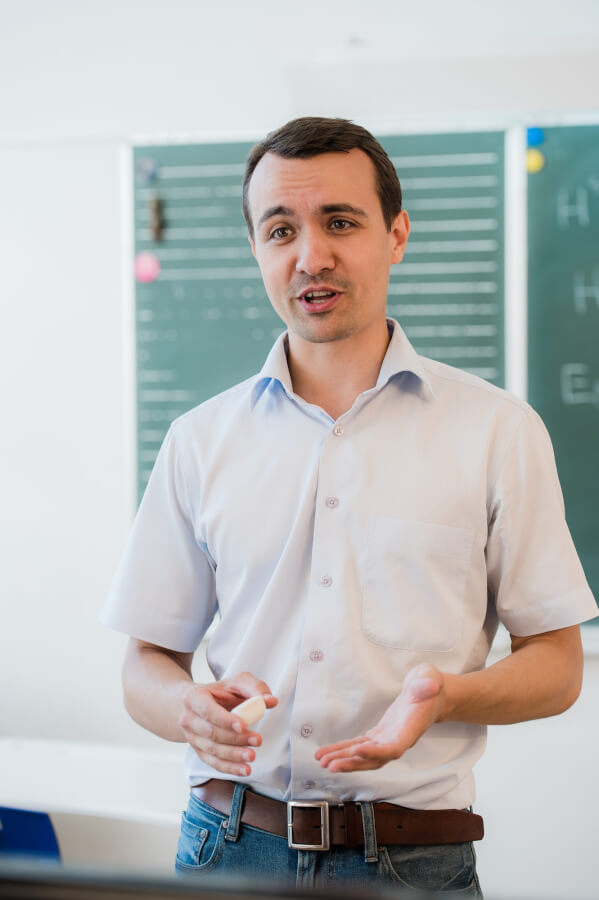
534	160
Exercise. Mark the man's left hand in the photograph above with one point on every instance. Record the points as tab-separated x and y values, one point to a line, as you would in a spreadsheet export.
416	708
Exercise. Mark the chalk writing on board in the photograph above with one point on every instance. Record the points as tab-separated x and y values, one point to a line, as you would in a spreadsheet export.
586	294
578	386
573	208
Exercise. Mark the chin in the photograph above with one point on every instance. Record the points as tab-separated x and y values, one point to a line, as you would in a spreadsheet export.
323	335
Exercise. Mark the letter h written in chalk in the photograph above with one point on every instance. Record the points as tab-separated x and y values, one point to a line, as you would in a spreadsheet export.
585	294
573	207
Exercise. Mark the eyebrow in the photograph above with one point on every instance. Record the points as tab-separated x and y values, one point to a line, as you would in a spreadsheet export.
325	210
343	207
274	211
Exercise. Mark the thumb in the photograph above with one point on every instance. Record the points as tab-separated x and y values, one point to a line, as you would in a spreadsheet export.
423	682
246	684
423	689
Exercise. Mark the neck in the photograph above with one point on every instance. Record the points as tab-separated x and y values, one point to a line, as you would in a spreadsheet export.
333	373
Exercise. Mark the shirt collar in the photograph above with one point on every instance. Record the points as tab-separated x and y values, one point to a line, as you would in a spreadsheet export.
275	370
399	358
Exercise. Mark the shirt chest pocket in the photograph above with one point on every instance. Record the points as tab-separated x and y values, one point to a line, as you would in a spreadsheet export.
413	583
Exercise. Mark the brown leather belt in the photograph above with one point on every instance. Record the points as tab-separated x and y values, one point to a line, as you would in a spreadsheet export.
319	825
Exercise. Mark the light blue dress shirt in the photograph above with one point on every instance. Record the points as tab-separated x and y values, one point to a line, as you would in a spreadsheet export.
339	554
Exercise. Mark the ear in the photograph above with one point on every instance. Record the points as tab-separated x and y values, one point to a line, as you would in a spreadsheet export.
252	245
399	233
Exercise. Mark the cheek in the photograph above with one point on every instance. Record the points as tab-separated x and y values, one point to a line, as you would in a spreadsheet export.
275	283
272	270
372	268
373	256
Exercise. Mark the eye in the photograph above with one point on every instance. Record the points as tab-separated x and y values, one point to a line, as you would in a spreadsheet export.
280	233
340	225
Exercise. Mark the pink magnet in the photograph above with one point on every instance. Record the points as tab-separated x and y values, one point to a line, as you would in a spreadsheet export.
147	267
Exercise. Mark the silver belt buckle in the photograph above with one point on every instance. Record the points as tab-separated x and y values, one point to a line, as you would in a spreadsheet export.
325	840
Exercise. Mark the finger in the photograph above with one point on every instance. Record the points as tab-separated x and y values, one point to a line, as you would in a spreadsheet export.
359	762
237	735
368	752
424	670
354	764
230	699
373	751
205	729
206	705
340	745
227	768
224	752
423	689
227	698
354	749
249	686
201	726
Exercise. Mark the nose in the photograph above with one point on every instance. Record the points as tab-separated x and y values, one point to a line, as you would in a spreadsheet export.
314	252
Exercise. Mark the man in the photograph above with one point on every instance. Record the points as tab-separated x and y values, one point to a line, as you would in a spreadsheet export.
360	517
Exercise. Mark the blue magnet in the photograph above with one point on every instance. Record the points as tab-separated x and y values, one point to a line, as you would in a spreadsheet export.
535	137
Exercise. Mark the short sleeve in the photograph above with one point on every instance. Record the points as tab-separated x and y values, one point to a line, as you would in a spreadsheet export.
534	573
164	590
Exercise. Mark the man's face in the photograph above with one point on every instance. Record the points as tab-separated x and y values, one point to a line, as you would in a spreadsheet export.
322	245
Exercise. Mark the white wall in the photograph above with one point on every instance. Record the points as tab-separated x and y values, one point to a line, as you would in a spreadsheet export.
77	81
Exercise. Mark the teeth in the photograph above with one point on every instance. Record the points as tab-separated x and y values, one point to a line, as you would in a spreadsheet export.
318	295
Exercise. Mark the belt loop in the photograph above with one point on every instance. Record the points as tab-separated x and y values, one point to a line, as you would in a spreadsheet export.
371	853
235	814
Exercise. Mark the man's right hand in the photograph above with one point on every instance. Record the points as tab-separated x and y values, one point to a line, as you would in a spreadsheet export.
161	696
221	739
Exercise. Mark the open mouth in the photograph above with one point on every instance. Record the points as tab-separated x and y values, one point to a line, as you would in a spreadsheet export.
318	297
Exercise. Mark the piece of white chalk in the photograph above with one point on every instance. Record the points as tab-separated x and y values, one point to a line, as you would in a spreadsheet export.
251	711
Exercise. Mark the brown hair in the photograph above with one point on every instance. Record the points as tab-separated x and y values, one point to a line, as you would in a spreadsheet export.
313	135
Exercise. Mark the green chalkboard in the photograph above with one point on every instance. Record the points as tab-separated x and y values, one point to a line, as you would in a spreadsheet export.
203	320
448	292
563	317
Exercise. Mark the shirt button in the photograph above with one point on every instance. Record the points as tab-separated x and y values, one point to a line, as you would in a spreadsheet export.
332	502
308	785
316	655
338	430
326	581
306	731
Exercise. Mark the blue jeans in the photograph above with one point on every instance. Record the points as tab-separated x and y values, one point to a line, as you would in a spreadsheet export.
212	843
